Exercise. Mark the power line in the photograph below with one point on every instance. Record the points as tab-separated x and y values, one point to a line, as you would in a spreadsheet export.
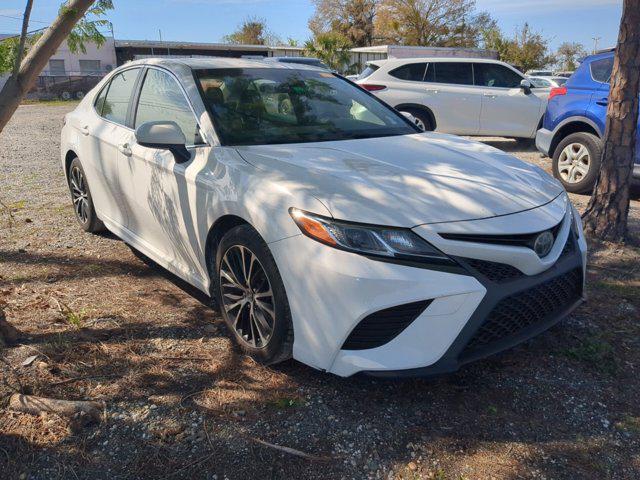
20	19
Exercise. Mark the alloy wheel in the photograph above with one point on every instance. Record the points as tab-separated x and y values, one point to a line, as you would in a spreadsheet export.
420	124
79	194
574	163
247	297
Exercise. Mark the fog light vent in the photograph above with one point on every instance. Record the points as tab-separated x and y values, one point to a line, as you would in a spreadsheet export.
383	326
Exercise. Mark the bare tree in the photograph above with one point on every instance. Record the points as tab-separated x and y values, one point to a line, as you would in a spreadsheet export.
608	210
352	19
23	36
36	59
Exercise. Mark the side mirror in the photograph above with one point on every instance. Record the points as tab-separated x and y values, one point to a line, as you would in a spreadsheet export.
164	136
526	86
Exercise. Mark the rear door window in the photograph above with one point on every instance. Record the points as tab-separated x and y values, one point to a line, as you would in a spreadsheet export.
498	76
413	72
368	71
601	69
457	73
116	102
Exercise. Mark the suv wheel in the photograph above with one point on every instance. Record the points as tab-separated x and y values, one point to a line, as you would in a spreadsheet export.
423	121
576	162
251	295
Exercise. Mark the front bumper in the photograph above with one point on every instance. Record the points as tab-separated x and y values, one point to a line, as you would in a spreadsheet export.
544	138
331	292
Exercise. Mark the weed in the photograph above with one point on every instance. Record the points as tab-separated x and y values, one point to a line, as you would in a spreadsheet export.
596	352
629	424
16	206
628	289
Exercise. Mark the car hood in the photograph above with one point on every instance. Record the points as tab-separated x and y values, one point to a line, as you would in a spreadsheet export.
407	180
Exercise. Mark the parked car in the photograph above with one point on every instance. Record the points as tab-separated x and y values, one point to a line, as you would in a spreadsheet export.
574	125
539	73
312	61
325	225
459	96
547	82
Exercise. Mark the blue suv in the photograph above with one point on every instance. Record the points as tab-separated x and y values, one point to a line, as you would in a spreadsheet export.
574	124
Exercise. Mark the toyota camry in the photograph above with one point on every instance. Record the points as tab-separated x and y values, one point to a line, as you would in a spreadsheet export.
323	224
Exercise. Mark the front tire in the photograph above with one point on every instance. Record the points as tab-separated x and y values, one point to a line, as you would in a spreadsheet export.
423	120
81	198
252	297
576	162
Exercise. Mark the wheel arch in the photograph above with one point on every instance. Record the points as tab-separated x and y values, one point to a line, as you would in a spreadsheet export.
68	158
218	230
423	108
569	127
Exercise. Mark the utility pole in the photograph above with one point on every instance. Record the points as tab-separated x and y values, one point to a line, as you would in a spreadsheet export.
595	43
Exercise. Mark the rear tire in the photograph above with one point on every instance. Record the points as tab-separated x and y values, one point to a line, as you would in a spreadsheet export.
576	162
82	199
253	300
424	121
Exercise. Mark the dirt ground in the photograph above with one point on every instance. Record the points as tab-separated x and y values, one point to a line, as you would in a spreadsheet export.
181	402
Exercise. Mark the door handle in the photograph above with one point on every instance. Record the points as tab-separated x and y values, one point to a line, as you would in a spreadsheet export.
603	101
85	130
489	95
432	91
125	150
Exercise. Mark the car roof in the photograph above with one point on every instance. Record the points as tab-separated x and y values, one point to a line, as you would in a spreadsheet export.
403	61
204	63
598	56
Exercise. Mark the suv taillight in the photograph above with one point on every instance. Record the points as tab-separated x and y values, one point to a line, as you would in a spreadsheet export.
557	91
372	88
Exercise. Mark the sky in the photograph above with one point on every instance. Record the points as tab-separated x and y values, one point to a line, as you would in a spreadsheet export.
210	20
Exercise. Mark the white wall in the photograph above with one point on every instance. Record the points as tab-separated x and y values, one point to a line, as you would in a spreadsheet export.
106	54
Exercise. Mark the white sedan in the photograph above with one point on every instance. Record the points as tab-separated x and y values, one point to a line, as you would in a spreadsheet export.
322	223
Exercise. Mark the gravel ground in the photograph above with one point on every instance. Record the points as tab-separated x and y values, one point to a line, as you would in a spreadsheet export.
180	402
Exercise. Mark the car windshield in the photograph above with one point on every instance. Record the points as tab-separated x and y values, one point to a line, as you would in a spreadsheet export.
257	106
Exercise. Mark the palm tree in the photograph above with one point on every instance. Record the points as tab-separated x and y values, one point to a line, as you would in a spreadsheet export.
332	49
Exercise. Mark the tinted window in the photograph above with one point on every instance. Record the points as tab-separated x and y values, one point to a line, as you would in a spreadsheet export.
99	103
492	75
540	82
368	71
601	69
254	106
118	96
453	72
161	99
412	71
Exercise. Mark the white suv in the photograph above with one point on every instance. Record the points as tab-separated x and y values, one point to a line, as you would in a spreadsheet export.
459	96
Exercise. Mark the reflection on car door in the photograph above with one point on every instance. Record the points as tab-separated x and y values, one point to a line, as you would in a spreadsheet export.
506	109
155	187
453	98
102	134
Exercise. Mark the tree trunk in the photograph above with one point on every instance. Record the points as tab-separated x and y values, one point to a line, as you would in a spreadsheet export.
23	37
8	333
608	209
35	61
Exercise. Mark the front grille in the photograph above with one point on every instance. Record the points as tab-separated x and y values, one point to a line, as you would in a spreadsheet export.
528	308
383	326
496	272
514	240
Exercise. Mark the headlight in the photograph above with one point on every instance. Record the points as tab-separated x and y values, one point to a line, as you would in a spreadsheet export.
385	242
